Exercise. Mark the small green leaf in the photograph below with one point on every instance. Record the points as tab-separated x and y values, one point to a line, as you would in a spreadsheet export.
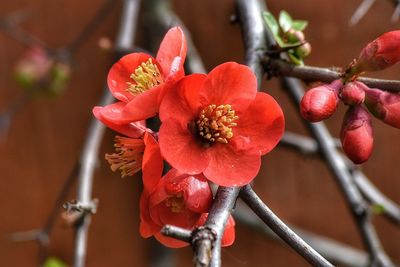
54	262
285	21
299	25
295	60
377	209
271	23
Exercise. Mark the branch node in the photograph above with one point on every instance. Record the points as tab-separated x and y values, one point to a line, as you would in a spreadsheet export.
203	239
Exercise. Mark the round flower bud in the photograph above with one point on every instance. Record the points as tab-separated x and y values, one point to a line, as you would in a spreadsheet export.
353	93
384	105
304	50
319	103
380	54
294	36
356	134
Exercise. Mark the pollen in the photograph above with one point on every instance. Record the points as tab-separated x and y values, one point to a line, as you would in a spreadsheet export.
215	123
145	77
128	157
176	203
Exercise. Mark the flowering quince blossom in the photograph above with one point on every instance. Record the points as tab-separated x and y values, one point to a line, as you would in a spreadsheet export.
138	81
176	198
219	125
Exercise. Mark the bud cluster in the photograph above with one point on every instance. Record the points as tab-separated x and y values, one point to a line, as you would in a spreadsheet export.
319	103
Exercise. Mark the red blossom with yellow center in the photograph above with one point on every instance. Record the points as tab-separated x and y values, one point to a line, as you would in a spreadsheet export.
139	81
219	125
176	198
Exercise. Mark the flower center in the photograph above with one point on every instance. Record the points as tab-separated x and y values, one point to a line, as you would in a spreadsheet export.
145	77
176	203
215	123
128	158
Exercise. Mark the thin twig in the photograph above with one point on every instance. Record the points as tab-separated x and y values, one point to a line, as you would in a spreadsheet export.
280	228
96	130
42	235
360	12
336	252
278	67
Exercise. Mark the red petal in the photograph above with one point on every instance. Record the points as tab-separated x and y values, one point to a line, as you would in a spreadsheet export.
180	149
182	101
152	164
198	195
172	53
113	114
119	74
230	168
229	234
170	242
143	106
134	129
147	227
229	83
260	127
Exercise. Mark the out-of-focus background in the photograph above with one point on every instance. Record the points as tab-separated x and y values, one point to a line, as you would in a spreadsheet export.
45	138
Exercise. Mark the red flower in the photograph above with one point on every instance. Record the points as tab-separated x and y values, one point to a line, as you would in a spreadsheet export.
380	54
219	125
139	80
356	134
319	103
178	199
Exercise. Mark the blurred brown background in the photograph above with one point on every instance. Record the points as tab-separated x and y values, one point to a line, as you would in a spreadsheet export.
46	137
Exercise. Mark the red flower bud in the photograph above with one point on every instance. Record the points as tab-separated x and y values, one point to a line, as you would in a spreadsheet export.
384	105
353	93
319	103
356	134
380	54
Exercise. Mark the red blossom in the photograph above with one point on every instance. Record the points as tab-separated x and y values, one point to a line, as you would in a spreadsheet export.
380	54
356	134
384	106
176	198
138	81
217	124
319	103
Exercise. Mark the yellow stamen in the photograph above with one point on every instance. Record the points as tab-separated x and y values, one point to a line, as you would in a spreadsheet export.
215	123
176	203
146	76
128	158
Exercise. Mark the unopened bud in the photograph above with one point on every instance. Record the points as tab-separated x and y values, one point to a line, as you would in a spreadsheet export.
319	103
353	93
294	36
304	50
380	54
384	105
356	134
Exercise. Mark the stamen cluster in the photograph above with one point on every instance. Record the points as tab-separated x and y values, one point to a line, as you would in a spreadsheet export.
146	76
215	123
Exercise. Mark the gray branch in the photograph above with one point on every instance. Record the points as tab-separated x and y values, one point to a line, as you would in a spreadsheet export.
95	134
280	67
339	253
281	229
